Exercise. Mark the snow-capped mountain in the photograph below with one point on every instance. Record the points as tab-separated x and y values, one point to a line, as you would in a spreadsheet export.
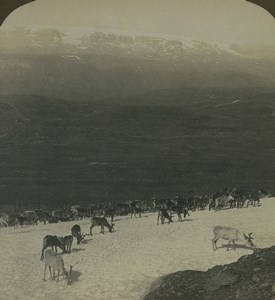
49	39
56	63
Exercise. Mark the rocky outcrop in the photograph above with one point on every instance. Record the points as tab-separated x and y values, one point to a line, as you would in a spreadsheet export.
251	277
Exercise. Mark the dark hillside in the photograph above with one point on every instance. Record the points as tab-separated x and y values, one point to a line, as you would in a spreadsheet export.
251	277
162	143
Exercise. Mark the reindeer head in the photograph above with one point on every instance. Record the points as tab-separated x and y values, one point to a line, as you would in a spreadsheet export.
112	227
68	275
249	239
81	238
62	243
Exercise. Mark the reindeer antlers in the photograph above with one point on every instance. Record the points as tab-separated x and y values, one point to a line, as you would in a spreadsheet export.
249	237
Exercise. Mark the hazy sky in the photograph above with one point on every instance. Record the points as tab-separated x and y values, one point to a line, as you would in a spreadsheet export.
214	20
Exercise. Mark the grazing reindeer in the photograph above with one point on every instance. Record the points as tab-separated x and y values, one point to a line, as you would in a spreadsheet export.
76	232
179	210
101	221
136	211
53	241
230	234
162	215
55	261
67	241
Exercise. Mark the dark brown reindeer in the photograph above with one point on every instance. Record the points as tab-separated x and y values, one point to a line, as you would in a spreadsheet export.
67	241
76	232
102	222
179	210
52	241
136	211
162	215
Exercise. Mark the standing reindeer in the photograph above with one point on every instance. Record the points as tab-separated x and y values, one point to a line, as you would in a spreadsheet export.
179	210
67	241
55	261
162	215
136	211
102	222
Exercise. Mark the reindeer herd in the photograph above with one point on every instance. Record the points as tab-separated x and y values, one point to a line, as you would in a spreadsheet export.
53	260
166	209
179	205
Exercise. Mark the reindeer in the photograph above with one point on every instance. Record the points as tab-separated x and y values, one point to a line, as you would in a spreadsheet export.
22	220
3	222
43	216
52	241
76	232
162	215
79	212
136	211
230	234
223	201
67	241
109	212
55	261
179	210
101	221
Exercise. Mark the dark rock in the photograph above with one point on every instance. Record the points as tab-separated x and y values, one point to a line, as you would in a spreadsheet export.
256	270
251	277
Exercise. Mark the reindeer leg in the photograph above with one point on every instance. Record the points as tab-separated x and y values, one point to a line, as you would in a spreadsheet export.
58	273
229	243
50	270
91	227
234	245
45	272
214	241
42	254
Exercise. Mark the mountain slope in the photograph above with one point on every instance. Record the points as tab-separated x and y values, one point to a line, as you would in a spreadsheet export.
161	143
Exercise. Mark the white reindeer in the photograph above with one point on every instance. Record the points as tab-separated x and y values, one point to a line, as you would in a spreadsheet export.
230	234
55	261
